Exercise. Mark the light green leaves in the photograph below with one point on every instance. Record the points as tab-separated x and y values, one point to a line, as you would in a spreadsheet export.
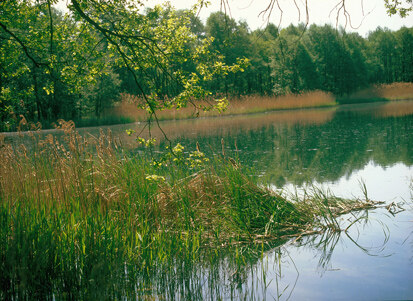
155	178
401	7
146	142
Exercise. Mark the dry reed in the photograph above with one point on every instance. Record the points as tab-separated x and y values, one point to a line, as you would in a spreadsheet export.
242	105
256	104
395	91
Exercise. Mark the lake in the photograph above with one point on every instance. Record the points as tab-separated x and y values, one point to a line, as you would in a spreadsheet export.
336	150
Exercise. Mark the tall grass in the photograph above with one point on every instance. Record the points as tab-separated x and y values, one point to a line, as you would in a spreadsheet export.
256	104
82	218
242	105
380	93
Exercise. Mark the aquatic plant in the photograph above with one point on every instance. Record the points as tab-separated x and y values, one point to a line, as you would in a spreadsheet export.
82	218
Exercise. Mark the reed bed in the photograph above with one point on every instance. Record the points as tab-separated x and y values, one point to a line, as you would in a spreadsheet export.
395	91
127	107
83	218
255	104
380	93
240	105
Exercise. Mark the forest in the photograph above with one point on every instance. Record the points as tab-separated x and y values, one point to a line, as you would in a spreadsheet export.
74	65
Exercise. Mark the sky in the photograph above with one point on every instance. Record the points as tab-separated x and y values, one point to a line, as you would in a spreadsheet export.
320	12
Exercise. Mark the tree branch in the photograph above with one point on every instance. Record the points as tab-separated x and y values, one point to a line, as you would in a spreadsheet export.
108	35
23	46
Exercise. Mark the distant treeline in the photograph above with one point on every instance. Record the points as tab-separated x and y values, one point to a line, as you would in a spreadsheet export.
299	58
55	66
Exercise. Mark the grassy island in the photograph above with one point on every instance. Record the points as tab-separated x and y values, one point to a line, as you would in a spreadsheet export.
83	218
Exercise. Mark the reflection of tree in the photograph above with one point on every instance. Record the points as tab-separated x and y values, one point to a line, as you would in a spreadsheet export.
298	153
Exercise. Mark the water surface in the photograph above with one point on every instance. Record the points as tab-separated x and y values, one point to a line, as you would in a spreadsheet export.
336	149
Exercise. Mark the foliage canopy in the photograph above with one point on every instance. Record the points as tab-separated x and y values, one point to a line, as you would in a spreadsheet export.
75	65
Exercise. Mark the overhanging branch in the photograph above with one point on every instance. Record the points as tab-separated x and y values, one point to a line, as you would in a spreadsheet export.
22	45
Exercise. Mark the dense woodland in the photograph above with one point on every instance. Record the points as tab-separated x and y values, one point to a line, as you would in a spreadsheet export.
76	65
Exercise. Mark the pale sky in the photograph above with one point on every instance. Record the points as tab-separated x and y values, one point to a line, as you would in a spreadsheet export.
319	13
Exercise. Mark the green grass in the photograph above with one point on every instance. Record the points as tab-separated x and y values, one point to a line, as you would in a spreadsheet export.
87	220
24	125
105	120
344	101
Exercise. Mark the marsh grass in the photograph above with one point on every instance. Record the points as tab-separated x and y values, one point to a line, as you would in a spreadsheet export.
380	93
241	105
83	218
257	104
104	120
314	99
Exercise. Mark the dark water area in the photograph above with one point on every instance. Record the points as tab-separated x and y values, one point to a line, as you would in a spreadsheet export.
336	150
299	153
339	152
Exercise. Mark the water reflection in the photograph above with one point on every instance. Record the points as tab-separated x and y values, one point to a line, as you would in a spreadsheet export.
299	153
339	265
365	262
372	260
298	147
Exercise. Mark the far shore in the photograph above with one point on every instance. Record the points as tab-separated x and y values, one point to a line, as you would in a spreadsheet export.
126	110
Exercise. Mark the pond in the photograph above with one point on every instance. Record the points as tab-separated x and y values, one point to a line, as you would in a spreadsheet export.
337	150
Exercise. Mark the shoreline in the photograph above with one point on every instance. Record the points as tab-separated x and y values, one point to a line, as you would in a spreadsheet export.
223	114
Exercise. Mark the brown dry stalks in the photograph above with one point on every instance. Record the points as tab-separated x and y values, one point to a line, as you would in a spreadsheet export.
395	91
242	105
59	171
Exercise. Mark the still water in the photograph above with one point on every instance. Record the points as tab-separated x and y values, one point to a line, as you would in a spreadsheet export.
337	150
